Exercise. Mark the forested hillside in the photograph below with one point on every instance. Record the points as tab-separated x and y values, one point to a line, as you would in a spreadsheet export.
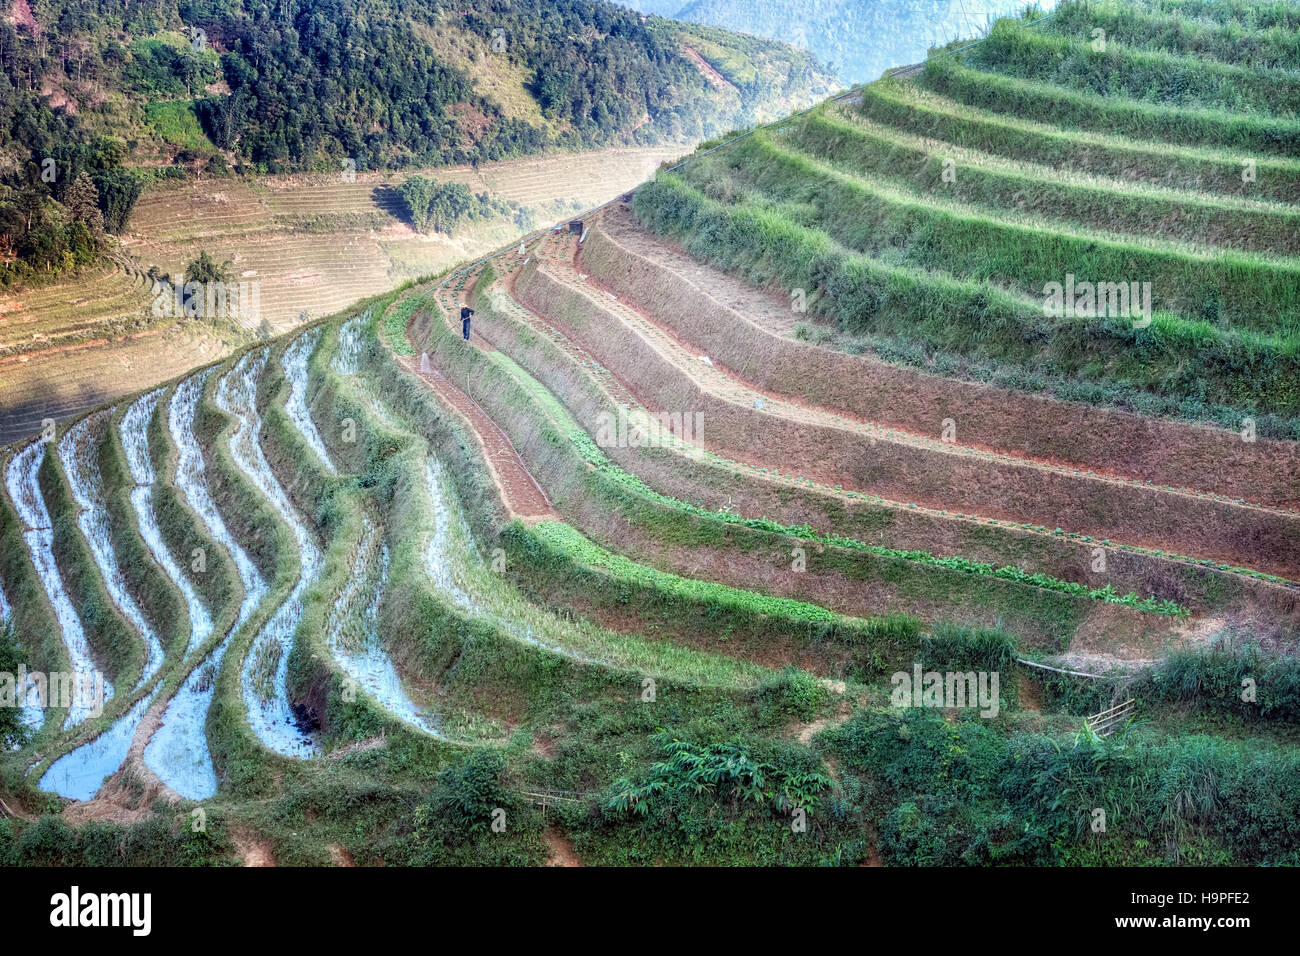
128	92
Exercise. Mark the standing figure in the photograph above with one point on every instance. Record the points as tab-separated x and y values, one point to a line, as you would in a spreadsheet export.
465	313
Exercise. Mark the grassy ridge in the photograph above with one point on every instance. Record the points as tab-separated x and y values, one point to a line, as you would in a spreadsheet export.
1014	49
597	458
911	568
1186	369
981	179
693	610
1114	115
1225	290
905	106
1265	47
1252	14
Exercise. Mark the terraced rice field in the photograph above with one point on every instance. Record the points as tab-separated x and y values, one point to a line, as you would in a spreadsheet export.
314	245
640	570
56	385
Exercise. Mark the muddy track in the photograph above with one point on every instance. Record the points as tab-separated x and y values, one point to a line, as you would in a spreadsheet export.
523	496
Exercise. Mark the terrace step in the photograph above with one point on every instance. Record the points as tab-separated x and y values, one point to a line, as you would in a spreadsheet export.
1016	502
449	299
753	336
523	496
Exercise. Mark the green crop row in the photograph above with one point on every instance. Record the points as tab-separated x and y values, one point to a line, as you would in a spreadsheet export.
1178	368
905	106
1232	42
597	458
1115	115
574	544
1253	14
394	325
1228	289
1121	207
1113	69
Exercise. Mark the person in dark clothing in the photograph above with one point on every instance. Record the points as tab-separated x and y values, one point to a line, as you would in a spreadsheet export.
465	313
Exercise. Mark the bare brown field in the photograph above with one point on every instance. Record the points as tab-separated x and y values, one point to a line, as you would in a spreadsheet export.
314	244
752	334
655	357
317	243
68	382
100	301
589	389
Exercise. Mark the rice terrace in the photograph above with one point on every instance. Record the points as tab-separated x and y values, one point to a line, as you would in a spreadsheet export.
901	471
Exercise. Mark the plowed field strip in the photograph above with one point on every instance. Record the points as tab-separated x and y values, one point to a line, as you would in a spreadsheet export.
753	335
720	382
520	490
449	300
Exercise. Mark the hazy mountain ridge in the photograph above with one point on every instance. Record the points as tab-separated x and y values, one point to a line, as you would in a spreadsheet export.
859	39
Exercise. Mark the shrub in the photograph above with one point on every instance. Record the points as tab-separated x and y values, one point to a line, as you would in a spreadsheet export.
469	792
790	694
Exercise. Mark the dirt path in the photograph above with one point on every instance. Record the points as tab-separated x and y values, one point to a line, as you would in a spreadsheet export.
709	70
254	850
340	857
561	847
133	790
1031	695
523	496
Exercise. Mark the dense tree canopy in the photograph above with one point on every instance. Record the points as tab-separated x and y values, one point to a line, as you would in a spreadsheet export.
105	95
441	207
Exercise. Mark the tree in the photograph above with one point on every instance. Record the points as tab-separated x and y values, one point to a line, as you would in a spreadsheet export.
203	270
118	191
206	269
82	201
441	207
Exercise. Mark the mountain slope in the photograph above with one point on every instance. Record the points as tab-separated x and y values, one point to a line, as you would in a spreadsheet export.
858	39
146	92
769	515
